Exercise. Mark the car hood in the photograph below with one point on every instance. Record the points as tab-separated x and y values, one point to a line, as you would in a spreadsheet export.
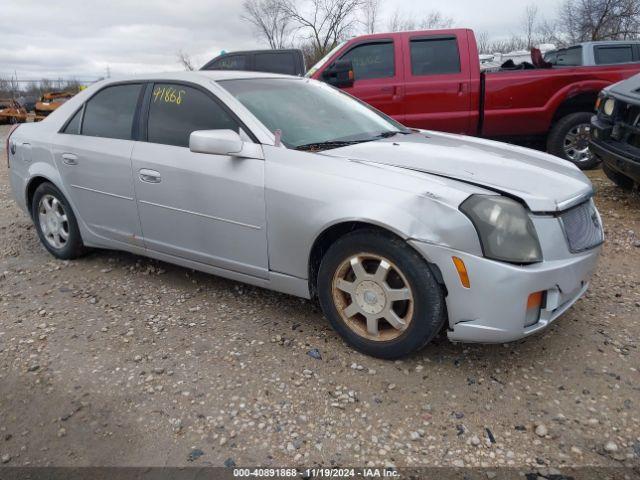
545	183
626	88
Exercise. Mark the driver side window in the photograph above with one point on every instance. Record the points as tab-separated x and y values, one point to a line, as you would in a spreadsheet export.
372	60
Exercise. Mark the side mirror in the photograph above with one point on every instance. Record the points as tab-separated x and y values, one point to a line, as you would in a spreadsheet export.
339	74
215	142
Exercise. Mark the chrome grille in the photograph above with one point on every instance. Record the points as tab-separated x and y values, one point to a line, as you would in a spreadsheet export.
582	227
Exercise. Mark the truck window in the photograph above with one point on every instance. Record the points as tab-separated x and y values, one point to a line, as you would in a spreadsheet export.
275	63
372	60
569	57
434	56
230	62
610	54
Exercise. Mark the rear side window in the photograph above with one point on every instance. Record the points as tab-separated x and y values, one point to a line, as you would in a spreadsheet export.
73	127
178	110
275	63
230	62
570	57
434	56
372	60
110	112
606	55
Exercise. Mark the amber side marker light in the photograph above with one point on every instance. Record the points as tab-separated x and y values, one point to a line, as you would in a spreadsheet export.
534	306
462	272
534	300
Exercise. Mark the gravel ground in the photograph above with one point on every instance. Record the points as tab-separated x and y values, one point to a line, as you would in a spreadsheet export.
115	359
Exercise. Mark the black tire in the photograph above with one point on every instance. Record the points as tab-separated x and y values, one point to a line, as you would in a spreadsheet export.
558	134
428	311
618	178
73	246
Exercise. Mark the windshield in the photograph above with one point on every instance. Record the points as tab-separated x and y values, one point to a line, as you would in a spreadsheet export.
310	113
324	60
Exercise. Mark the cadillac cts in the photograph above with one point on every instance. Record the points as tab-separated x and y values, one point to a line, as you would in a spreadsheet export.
291	185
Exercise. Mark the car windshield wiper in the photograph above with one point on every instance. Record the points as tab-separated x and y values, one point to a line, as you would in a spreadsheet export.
392	133
316	147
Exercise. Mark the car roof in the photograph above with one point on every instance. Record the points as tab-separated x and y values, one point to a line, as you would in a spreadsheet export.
215	75
609	42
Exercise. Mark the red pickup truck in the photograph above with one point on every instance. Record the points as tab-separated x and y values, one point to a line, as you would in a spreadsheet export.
432	80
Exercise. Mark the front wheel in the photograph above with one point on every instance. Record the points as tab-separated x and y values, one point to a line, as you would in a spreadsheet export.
55	223
380	295
569	139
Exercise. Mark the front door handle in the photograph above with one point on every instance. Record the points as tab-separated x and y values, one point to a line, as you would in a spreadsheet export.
149	176
69	159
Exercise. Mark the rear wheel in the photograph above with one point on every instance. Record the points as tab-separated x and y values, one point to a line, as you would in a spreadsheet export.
569	139
380	295
618	178
55	223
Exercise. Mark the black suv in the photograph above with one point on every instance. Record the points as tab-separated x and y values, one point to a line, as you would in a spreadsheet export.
289	62
615	132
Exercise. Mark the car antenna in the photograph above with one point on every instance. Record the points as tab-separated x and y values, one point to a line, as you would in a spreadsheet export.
278	137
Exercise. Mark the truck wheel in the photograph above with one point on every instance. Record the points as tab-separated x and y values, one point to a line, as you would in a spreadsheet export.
569	139
618	178
380	295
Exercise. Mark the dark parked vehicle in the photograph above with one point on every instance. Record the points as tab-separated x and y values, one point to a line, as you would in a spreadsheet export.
288	62
615	132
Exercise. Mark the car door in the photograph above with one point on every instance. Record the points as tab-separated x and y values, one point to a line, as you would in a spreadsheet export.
200	207
93	156
438	83
378	75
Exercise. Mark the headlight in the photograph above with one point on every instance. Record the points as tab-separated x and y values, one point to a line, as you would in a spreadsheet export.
609	106
506	232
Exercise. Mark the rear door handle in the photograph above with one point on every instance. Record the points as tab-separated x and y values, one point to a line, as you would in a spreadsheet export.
69	159
149	176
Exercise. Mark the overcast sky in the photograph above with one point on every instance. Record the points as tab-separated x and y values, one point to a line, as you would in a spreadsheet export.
82	38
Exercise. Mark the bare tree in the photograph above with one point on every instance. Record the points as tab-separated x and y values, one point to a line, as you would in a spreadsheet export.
548	33
399	22
584	20
184	59
529	23
370	11
435	20
482	40
270	19
322	23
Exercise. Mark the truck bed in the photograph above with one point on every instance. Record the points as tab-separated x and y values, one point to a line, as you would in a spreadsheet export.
525	102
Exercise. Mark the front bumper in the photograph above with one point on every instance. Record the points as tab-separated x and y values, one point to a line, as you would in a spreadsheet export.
493	309
621	159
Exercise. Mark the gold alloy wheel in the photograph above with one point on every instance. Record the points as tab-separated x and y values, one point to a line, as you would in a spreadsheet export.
373	297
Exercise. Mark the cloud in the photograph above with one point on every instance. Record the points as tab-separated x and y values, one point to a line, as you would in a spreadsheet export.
82	38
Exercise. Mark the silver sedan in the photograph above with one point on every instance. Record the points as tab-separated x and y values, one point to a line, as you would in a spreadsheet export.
291	185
